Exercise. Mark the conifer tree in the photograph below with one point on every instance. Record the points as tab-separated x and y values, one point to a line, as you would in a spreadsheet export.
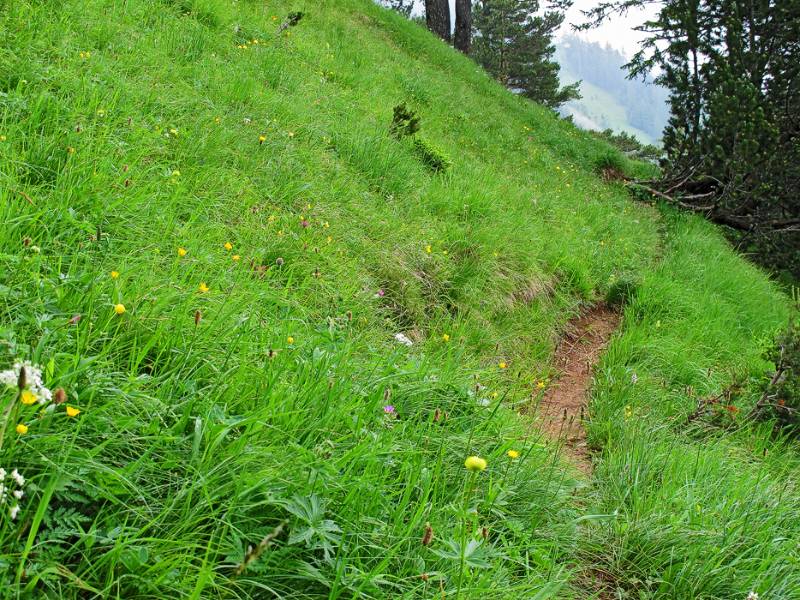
732	143
514	43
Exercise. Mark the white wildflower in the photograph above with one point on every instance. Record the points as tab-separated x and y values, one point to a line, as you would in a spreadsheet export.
403	339
17	476
14	511
634	378
8	378
752	596
2	473
33	380
484	402
18	494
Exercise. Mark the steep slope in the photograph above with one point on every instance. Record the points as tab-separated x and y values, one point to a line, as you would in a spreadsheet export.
249	425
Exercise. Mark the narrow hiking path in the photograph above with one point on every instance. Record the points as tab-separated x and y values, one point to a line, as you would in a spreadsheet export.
560	412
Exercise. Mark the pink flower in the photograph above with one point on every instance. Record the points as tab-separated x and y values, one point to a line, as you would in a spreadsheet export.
304	223
380	294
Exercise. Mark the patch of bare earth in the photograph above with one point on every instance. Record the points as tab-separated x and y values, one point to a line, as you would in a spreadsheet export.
560	413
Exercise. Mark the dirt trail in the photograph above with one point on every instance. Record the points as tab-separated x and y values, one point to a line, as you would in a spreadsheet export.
560	411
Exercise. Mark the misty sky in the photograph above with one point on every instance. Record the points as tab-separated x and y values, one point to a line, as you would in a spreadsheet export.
618	32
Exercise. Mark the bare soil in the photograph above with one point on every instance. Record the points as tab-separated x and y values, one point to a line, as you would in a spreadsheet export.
561	410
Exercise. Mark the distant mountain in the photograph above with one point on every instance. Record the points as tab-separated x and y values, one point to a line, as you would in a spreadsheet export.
610	101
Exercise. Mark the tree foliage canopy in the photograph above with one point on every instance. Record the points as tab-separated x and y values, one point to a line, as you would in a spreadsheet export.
514	43
732	143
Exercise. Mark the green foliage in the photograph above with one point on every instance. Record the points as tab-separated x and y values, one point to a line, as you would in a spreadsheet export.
669	491
731	143
235	440
622	291
431	155
514	44
610	164
405	122
780	401
631	146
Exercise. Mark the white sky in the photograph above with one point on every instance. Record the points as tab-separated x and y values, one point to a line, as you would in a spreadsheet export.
618	32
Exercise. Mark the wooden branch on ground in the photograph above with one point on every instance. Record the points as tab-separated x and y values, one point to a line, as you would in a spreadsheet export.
780	369
710	211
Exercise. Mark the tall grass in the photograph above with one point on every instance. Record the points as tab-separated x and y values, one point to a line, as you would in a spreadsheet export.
269	437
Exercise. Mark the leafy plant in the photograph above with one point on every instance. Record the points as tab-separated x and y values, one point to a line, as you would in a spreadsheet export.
310	526
405	122
781	397
431	155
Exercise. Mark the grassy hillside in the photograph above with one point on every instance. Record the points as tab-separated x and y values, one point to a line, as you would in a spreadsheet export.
210	241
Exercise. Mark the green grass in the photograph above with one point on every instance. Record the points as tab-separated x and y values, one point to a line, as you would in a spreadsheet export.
198	439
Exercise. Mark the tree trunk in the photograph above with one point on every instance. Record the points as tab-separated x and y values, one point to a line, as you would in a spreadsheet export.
437	16
463	36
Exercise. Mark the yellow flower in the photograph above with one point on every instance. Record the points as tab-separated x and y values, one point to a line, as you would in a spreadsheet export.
445	337
628	412
512	454
119	309
203	287
28	397
329	239
72	411
290	340
428	249
114	274
236	257
326	225
495	394
262	139
503	365
173	132
217	120
176	173
181	251
22	429
540	385
228	246
475	463
70	150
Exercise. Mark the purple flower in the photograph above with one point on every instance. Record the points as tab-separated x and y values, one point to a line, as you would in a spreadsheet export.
388	409
304	223
380	294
